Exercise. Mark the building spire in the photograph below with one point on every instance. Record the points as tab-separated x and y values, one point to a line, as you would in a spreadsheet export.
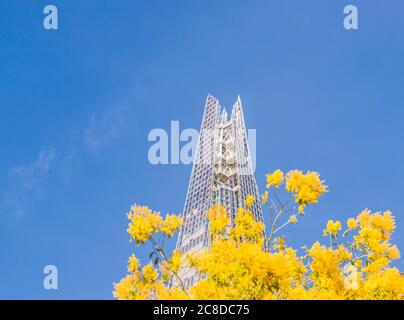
223	116
237	107
222	174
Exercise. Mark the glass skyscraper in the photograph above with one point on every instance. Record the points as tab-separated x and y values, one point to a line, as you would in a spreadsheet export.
222	174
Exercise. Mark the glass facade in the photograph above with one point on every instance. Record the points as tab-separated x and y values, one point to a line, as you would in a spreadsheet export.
222	174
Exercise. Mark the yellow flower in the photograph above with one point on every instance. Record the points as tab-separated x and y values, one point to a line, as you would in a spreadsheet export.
306	188
246	227
124	289
373	236
301	209
332	228
133	263
143	223
149	274
265	197
275	179
364	217
237	264
393	253
293	219
171	225
175	261
352	224
249	201
295	179
218	219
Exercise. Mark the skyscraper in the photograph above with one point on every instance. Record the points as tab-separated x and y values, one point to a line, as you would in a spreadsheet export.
222	174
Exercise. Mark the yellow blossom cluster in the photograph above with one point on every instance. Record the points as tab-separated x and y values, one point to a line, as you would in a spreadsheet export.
249	201
352	224
332	228
326	274
144	222
243	263
306	188
218	218
275	179
133	263
373	238
246	227
170	225
149	282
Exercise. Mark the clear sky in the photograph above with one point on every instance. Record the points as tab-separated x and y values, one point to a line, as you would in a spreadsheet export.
77	104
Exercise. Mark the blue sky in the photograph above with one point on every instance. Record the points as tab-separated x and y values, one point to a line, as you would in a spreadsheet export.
77	104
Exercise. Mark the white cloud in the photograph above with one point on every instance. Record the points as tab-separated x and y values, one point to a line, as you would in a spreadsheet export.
105	127
26	182
29	176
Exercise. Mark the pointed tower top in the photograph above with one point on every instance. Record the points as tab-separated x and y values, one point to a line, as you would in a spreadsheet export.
223	115
237	105
211	96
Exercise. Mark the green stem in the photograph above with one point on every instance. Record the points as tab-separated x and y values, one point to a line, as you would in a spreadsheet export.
162	253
